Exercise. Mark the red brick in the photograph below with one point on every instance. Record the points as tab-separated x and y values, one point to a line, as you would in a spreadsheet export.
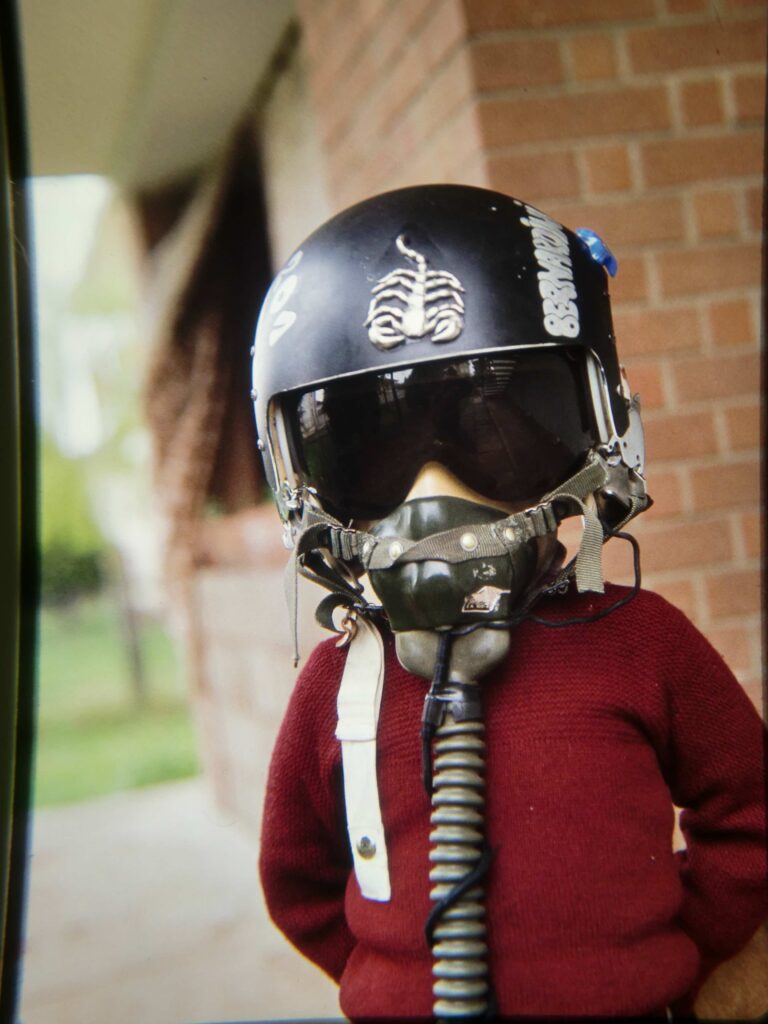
608	168
617	561
647	331
339	107
717	377
657	513
699	271
335	52
631	282
733	593
441	98
753	532
681	47
686	545
734	644
630	222
600	112
490	15
402	52
593	56
665	488
365	148
679	436
442	32
755	203
514	63
687	6
702	102
366	15
725	486
680	593
716	214
240	539
646	380
749	94
731	323
753	687
316	24
742	424
456	145
407	77
346	91
411	16
687	160
533	178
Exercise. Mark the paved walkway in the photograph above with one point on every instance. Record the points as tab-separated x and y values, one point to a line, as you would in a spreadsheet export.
145	907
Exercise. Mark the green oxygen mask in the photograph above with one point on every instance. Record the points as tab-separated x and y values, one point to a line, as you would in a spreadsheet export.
450	579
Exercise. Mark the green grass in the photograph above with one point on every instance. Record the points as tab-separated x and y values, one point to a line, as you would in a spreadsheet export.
94	737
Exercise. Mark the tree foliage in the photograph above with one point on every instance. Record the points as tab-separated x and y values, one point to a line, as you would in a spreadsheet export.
73	549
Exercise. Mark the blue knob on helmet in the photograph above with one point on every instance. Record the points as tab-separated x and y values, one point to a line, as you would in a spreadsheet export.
598	250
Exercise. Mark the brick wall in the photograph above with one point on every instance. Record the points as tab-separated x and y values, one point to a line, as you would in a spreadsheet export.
237	638
639	118
642	119
392	84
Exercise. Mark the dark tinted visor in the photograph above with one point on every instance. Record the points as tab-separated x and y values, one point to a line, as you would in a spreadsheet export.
511	427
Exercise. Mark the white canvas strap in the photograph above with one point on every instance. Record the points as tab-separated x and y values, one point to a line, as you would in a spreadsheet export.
358	706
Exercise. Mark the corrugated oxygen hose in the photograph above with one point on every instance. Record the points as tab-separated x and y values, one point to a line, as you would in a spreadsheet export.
457	925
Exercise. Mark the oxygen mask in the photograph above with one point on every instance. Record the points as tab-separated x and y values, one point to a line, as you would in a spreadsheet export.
457	564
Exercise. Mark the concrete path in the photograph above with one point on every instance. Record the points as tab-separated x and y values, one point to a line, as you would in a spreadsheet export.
145	907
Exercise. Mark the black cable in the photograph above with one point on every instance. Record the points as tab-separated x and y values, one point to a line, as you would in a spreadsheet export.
434	707
583	619
524	614
476	875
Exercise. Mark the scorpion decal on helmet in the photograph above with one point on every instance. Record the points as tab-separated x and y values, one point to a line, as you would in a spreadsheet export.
409	304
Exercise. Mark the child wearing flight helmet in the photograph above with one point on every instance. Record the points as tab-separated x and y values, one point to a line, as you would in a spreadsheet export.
436	389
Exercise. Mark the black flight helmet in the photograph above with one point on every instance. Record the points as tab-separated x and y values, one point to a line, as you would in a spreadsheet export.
441	323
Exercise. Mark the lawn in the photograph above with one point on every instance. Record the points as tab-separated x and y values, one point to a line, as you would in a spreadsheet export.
94	737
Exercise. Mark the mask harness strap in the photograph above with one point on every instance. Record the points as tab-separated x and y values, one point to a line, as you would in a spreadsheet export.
322	542
577	495
319	532
358	704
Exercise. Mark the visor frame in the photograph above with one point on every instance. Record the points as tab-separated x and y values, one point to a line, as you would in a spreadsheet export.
596	432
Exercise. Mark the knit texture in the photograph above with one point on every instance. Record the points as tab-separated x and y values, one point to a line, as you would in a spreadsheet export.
592	732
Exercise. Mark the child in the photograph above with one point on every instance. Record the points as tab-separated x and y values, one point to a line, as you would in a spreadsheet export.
437	366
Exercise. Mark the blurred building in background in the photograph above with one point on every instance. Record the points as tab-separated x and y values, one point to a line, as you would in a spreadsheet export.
231	130
234	129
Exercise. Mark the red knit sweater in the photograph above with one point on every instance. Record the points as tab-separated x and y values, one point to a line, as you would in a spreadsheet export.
590	730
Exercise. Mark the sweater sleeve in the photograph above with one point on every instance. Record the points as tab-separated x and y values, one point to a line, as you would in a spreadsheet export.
716	772
304	861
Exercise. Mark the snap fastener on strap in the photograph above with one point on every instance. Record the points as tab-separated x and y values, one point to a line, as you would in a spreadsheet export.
366	847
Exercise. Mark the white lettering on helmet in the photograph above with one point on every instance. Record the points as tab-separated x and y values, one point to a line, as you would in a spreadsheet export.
550	247
279	319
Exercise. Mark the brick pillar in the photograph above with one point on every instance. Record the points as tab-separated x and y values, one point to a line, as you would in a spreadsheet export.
393	92
642	119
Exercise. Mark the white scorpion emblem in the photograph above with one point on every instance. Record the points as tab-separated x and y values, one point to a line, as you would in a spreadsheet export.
413	303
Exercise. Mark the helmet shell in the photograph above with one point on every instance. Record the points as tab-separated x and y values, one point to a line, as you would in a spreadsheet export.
313	325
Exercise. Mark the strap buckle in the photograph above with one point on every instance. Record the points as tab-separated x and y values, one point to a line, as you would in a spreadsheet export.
347	628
